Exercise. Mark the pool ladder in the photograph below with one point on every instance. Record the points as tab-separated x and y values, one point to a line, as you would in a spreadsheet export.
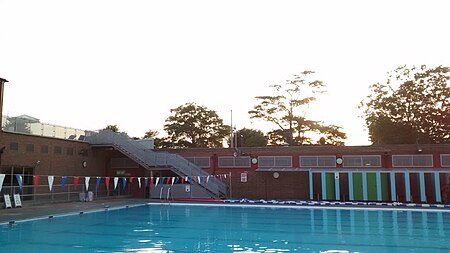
169	195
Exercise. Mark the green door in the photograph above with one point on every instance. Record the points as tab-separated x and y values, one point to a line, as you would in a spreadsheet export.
330	186
371	186
357	186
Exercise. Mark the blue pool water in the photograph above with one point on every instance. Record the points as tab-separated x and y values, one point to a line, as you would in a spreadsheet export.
176	228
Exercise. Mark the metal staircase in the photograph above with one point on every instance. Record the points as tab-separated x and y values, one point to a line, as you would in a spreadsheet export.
149	159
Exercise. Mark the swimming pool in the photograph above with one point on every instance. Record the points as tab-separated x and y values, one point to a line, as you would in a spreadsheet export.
217	228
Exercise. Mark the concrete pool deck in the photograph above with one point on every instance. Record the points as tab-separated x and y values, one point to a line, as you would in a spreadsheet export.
31	211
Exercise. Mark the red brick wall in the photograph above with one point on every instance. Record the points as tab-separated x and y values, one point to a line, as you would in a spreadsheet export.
51	163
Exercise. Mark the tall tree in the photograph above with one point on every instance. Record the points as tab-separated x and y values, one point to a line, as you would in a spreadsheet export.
284	107
248	137
113	128
151	134
192	125
412	106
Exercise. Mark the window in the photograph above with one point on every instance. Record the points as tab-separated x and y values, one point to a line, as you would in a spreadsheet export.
412	161
202	162
317	161
69	151
445	160
275	161
14	146
361	160
30	147
233	162
44	149
58	150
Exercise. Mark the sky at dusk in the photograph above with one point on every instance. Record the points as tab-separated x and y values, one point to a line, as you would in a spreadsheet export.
88	64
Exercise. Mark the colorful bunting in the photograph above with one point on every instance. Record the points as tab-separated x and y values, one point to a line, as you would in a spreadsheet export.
75	181
19	180
107	183
173	180
86	182
139	182
116	181
2	178
50	180
63	182
157	180
98	182
124	182
35	182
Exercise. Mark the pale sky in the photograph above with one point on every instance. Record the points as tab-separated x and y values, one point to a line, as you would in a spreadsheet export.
87	63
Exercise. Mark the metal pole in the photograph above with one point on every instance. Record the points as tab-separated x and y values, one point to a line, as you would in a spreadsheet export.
231	131
231	192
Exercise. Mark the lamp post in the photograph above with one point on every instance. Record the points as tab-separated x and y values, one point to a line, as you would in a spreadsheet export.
2	81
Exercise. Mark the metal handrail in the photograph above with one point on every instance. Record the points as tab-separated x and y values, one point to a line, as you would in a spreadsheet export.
149	158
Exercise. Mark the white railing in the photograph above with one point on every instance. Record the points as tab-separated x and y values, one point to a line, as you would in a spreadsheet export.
34	127
150	159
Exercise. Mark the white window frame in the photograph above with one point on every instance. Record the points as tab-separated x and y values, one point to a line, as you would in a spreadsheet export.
442	164
192	159
234	162
412	160
275	166
361	158
317	161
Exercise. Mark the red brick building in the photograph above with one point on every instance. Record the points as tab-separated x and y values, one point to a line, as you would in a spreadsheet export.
404	173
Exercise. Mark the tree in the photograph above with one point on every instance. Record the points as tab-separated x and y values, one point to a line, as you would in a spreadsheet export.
194	126
282	109
151	134
332	135
113	128
247	137
412	106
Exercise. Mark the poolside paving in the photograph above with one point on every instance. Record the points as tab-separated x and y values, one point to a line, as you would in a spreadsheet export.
30	210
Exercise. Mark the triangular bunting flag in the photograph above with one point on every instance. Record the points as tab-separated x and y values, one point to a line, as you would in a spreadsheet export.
50	180
97	184
107	183
116	181
139	182
19	180
151	182
86	182
173	180
207	179
35	182
2	178
199	180
124	182
131	180
176	180
225	176
162	180
145	181
157	181
63	181
182	180
75	181
168	180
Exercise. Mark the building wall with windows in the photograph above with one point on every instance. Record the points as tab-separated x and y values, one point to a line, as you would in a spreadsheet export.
284	172
51	156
